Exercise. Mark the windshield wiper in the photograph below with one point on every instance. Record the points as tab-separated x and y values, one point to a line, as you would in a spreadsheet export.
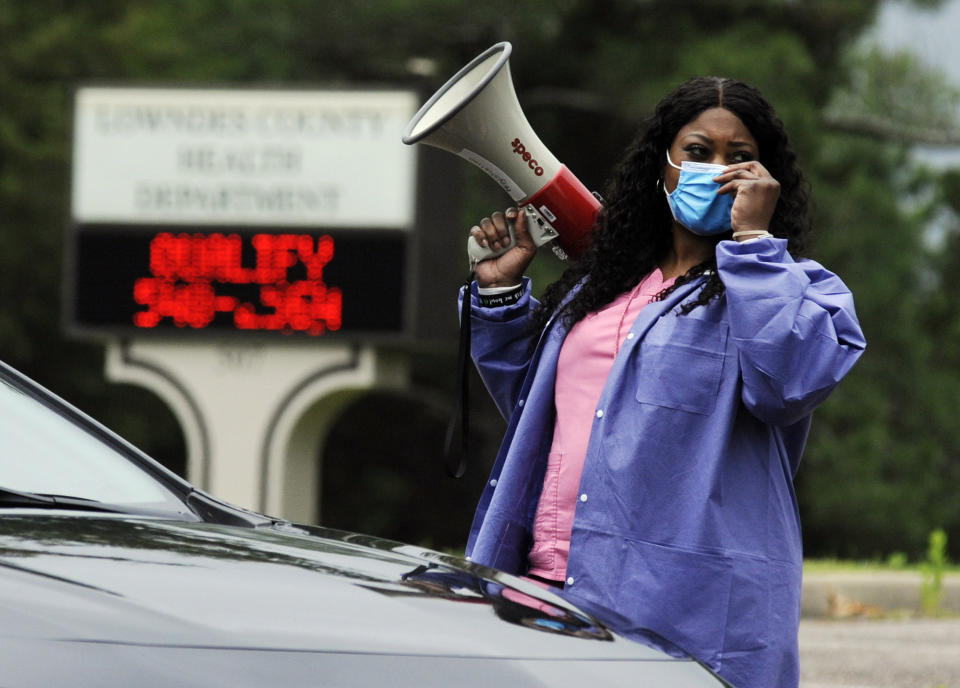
15	498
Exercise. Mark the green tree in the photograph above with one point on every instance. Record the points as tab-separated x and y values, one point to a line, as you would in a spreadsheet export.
881	465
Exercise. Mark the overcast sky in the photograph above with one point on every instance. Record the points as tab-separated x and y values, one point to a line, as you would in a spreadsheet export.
933	35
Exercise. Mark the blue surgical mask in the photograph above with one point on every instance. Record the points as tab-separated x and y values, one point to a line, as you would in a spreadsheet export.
695	202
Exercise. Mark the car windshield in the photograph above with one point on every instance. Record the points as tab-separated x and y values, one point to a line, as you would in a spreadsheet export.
46	452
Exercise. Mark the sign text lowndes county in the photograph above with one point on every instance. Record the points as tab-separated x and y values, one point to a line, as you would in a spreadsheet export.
292	158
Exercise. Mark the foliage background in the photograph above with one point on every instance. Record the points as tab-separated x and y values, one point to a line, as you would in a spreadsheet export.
883	464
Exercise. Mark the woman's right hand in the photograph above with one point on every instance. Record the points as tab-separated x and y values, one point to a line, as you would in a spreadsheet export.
505	270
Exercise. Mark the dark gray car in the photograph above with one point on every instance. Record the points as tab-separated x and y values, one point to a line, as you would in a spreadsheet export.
115	572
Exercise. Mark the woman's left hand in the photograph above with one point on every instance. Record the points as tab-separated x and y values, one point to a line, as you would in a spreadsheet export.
756	195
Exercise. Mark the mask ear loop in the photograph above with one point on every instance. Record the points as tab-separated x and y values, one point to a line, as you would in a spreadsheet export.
661	186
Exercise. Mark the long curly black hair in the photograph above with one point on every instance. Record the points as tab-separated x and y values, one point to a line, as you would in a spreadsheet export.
633	233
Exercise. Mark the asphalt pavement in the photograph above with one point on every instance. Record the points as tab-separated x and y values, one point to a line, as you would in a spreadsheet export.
866	630
880	653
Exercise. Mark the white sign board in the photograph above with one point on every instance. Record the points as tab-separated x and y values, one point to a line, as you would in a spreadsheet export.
245	157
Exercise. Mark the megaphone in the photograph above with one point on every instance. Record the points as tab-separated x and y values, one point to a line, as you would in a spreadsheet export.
476	116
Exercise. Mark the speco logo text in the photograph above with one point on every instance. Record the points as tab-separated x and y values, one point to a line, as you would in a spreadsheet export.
522	151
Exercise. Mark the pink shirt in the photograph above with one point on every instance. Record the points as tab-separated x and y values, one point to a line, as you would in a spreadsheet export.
582	369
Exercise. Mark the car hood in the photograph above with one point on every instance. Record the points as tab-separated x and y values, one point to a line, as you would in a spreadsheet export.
143	581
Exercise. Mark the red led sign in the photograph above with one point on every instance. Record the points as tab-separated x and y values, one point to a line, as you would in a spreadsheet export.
238	280
188	273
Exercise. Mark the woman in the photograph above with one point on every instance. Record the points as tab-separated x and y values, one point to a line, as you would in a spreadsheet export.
660	397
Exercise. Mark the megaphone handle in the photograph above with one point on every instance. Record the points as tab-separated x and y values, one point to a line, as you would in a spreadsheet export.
478	253
541	231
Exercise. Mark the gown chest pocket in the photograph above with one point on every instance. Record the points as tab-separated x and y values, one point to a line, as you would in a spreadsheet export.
681	363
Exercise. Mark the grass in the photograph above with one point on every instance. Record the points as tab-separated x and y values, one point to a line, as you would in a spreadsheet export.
875	566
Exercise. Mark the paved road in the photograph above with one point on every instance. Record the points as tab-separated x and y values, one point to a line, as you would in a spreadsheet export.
916	653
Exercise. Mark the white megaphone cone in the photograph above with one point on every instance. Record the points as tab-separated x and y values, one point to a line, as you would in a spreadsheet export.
476	115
